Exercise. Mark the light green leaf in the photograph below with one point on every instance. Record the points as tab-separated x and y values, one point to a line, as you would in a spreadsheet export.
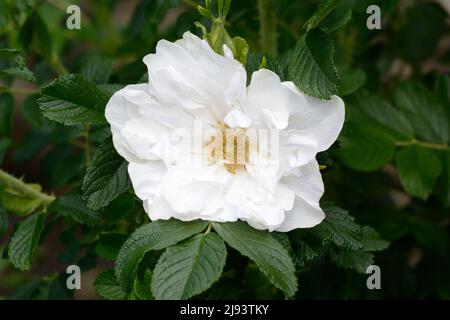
323	9
17	203
371	240
418	169
106	178
423	110
25	241
311	65
268	254
156	235
73	207
339	227
72	100
107	286
189	268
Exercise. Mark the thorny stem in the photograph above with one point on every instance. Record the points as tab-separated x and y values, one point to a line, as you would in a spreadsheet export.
24	189
267	27
424	144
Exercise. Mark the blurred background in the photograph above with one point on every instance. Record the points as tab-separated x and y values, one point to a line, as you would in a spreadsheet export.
413	43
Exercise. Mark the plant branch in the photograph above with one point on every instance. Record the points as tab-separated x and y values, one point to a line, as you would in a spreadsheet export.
424	144
267	27
24	189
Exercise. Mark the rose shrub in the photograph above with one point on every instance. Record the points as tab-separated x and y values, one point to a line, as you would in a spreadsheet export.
93	174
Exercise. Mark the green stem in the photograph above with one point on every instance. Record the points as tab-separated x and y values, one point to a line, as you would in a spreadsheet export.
58	65
267	27
19	90
424	144
24	189
190	3
208	230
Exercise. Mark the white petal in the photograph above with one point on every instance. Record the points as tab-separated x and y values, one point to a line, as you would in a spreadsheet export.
324	118
269	102
300	147
146	178
306	183
190	74
303	215
237	119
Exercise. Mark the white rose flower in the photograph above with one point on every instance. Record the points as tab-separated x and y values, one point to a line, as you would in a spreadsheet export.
190	83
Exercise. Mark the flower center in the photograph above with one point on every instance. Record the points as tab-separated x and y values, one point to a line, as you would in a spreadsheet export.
230	147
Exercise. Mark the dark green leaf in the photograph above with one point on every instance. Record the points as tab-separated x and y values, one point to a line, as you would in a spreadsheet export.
311	65
323	9
418	169
443	184
109	244
3	221
107	286
423	110
364	148
371	240
25	241
73	207
189	268
355	260
339	227
106	178
156	235
268	254
73	100
96	69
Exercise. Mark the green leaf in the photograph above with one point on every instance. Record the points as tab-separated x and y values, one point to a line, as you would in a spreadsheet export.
35	34
189	268
3	221
371	240
107	286
323	9
268	254
352	80
423	110
156	235
106	178
31	112
240	49
142	286
73	207
367	107
6	114
17	203
339	227
254	62
25	241
418	169
311	65
364	148
72	100
355	260
96	69
308	249
20	69
336	20
109	244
